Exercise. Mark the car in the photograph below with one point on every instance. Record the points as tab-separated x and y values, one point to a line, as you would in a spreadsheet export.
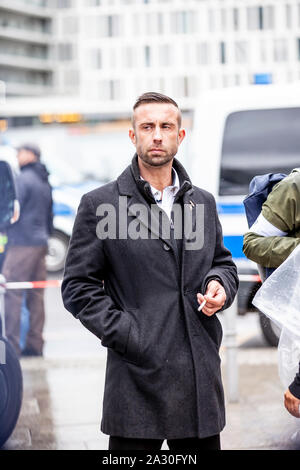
68	185
238	133
11	380
66	199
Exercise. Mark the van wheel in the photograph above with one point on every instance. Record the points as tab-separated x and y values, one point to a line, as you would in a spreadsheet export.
57	251
11	392
270	331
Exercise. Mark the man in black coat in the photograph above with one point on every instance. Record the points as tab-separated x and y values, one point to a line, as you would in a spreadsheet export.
27	248
146	250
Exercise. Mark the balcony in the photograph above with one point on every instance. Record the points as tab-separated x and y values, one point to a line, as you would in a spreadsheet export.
33	37
28	63
26	8
28	89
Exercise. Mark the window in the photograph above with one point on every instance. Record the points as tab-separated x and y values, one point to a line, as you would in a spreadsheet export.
154	23
112	57
260	18
104	91
186	51
252	18
183	22
65	51
64	3
128	57
263	50
288	16
211	21
223	19
147	56
184	86
165	55
280	50
114	89
103	26
70	25
257	142
236	19
268	17
92	3
241	52
202	53
71	78
222	52
96	58
137	23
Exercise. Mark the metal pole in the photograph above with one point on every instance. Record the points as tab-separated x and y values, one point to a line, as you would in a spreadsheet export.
231	353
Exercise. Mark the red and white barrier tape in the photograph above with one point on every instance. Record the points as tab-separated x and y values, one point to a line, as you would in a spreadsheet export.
249	278
32	285
57	282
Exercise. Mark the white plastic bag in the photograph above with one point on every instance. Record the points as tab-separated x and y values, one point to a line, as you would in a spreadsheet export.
288	357
279	299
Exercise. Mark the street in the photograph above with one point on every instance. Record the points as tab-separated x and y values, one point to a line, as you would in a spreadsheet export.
62	401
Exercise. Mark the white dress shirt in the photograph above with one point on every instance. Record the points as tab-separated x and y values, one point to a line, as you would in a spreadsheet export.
165	198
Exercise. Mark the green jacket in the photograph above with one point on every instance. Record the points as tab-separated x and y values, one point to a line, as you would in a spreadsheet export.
282	210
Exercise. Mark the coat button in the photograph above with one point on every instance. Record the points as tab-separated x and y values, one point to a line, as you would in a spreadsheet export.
166	247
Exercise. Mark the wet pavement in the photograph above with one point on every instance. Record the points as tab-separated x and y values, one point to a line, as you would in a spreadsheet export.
63	391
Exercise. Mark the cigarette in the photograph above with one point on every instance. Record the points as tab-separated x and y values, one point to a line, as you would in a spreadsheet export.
201	306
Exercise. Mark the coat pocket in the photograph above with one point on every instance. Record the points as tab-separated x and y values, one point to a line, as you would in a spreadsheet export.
202	323
132	352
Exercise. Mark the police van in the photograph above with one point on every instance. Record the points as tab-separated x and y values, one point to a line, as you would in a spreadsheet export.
239	133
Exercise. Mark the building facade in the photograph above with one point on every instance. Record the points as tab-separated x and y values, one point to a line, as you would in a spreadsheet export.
27	64
113	50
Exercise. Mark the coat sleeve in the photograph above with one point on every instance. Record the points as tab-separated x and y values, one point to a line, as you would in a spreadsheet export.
83	290
223	268
280	211
295	385
269	252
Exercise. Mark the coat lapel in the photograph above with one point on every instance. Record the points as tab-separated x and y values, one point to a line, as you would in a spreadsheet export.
154	218
189	208
149	218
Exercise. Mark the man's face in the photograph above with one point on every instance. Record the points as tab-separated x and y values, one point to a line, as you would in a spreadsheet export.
156	134
25	157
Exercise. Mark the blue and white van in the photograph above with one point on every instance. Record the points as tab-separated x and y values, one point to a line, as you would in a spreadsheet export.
239	133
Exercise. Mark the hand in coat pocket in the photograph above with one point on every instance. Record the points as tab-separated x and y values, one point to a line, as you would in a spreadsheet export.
215	297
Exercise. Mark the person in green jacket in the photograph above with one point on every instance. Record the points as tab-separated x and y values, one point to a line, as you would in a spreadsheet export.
271	239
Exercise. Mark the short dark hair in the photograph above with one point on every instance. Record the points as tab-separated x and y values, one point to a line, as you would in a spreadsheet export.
154	97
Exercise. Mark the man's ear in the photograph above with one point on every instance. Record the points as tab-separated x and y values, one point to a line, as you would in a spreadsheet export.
132	136
181	135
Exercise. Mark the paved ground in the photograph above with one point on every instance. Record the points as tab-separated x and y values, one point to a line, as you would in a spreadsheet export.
63	391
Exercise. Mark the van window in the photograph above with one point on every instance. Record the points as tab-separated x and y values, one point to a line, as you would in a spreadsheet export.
257	142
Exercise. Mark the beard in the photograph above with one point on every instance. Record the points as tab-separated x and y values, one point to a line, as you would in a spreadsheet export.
156	159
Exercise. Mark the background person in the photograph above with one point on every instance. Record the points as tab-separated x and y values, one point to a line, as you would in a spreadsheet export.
27	249
271	239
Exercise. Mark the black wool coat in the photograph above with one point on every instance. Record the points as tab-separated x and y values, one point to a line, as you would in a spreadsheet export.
138	296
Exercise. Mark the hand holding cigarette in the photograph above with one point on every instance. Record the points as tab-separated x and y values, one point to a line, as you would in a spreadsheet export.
213	299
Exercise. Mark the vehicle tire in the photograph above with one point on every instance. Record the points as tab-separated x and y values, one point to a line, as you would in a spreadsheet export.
57	251
270	331
11	392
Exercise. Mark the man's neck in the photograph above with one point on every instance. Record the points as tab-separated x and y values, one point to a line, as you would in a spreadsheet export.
158	177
